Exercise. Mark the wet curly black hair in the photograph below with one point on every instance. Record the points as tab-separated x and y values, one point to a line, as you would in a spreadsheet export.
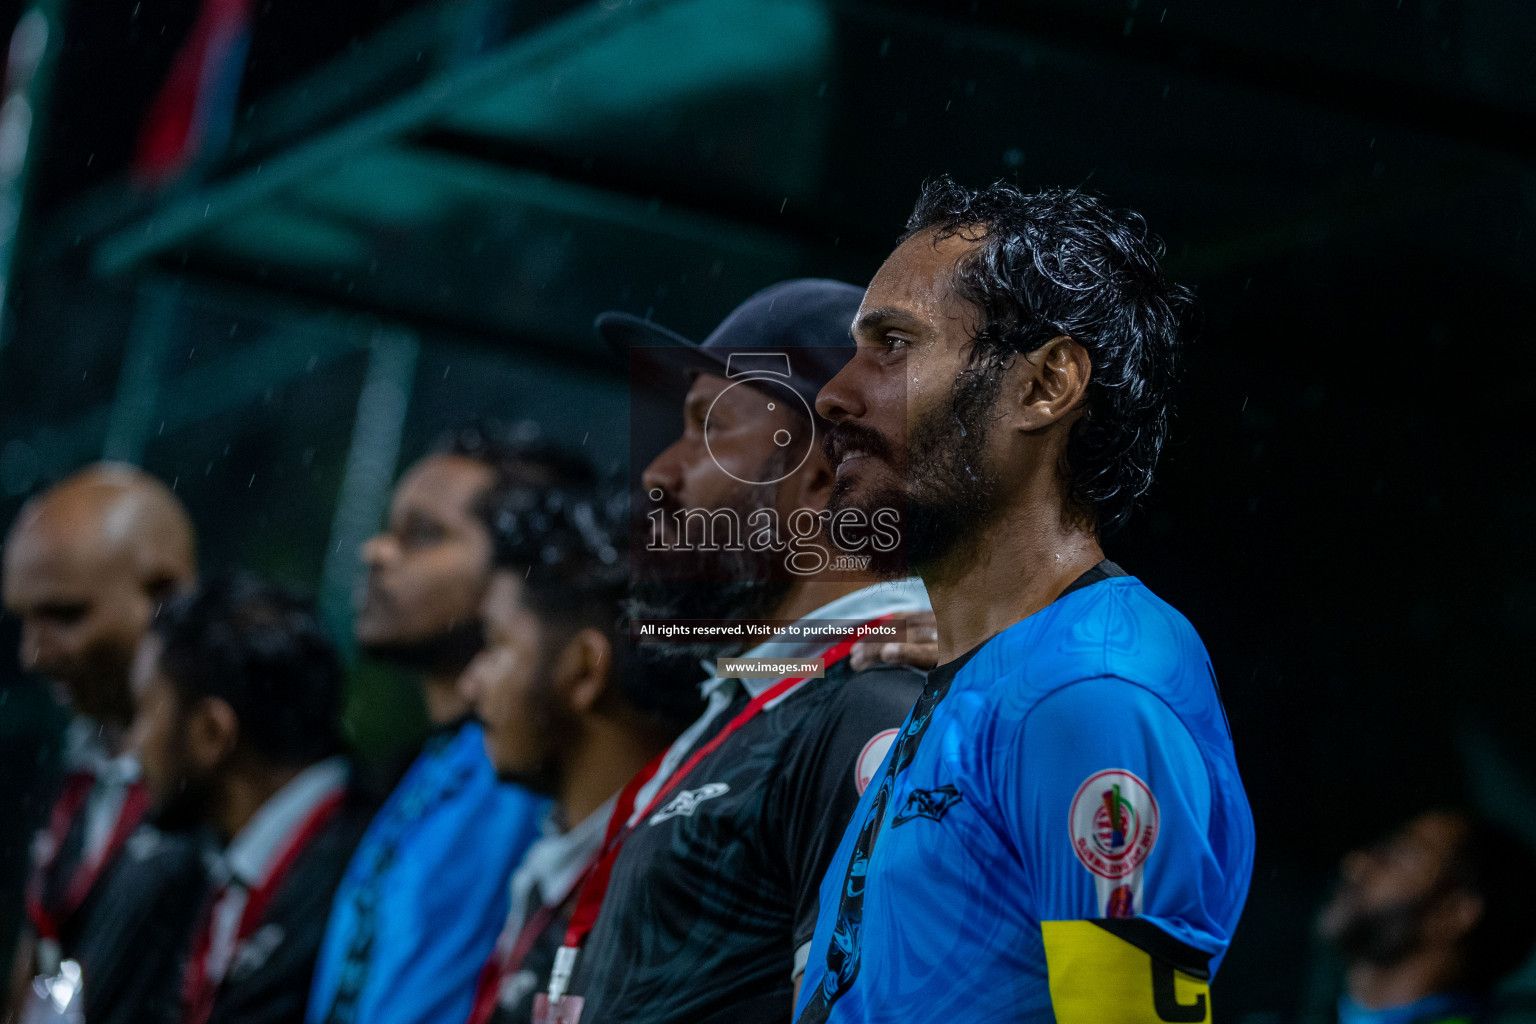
569	541
516	454
1060	262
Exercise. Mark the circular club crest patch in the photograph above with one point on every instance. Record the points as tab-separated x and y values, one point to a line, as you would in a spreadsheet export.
870	757
1113	823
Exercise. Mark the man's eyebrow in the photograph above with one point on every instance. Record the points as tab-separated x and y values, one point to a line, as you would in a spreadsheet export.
888	316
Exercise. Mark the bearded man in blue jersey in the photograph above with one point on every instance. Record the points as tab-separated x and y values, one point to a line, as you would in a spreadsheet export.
425	895
1059	832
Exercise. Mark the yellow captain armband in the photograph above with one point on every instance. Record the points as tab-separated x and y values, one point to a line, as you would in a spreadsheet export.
1124	971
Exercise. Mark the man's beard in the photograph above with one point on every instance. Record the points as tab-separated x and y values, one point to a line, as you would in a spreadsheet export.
188	807
1380	936
101	692
661	681
557	728
447	653
697	584
949	494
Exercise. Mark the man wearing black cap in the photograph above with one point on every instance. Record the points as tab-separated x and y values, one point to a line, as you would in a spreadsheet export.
706	900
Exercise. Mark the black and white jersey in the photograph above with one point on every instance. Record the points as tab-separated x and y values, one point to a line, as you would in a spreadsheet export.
253	957
713	899
270	978
134	930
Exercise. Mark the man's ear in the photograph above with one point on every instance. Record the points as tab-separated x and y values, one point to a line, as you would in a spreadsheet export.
1048	385
212	732
583	669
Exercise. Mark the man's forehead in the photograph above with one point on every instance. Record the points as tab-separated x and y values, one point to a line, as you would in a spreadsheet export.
443	483
705	385
709	389
1437	832
916	281
42	560
35	586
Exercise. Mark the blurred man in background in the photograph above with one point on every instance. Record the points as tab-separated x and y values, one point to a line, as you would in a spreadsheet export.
426	894
237	724
562	708
1429	919
87	565
712	893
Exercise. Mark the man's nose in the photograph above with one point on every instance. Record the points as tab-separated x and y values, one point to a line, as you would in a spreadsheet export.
468	683
841	397
665	471
378	549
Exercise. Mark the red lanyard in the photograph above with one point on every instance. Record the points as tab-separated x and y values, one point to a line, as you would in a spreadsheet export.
501	964
595	887
50	921
199	990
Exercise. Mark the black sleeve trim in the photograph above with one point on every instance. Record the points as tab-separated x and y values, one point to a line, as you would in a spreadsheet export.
1158	944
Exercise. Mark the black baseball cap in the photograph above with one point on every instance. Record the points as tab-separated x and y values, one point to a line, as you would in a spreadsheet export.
795	332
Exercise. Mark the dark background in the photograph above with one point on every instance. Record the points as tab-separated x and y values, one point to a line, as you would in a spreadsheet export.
420	207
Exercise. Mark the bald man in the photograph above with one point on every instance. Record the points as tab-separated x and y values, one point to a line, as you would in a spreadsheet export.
86	566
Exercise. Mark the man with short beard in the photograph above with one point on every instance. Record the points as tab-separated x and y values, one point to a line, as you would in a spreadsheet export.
1060	833
237	722
702	908
426	892
1430	919
564	709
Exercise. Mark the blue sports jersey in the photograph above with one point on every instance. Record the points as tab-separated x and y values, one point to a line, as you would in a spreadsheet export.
426	892
1060	833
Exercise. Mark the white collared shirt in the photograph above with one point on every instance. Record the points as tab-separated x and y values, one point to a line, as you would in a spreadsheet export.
247	863
871	602
112	777
554	863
